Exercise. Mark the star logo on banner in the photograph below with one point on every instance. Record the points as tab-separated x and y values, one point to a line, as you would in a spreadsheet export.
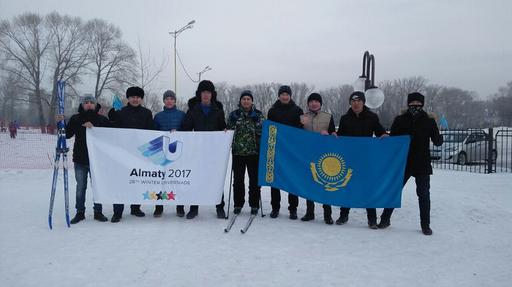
159	196
146	195
170	195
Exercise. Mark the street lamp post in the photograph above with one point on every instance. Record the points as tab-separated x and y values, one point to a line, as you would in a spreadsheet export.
366	82
206	69
175	35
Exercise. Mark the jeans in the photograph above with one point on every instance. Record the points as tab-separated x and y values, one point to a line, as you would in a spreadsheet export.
81	172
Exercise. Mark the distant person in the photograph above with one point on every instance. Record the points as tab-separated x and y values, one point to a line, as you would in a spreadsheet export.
13	129
168	120
422	129
87	117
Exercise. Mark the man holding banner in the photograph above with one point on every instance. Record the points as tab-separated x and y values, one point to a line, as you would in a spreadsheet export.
205	113
422	128
359	121
321	122
286	112
133	116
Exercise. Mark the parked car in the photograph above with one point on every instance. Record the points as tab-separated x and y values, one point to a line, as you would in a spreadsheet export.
463	147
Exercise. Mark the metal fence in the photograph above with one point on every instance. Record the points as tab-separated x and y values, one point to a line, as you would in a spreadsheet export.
474	150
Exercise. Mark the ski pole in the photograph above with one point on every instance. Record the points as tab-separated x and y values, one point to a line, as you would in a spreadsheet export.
230	186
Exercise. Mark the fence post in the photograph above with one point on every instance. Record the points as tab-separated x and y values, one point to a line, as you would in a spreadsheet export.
490	146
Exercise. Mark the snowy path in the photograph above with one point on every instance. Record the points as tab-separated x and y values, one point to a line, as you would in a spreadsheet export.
471	245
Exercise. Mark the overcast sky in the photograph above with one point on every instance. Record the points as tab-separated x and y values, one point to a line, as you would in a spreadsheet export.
467	44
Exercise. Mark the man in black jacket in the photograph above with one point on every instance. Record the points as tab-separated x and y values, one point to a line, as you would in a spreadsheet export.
133	116
359	121
87	117
204	113
286	112
422	128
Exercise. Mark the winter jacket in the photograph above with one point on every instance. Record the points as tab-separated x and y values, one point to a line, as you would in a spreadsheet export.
422	129
363	125
247	126
132	117
169	119
74	128
288	114
196	120
320	121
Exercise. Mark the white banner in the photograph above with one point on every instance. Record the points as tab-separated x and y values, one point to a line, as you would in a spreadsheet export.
134	166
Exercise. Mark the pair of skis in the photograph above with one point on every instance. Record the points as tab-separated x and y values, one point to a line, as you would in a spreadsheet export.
246	226
60	152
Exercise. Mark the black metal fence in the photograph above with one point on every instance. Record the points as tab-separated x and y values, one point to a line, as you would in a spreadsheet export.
474	150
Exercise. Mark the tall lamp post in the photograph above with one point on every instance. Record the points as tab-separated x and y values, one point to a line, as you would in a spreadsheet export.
175	35
366	83
206	69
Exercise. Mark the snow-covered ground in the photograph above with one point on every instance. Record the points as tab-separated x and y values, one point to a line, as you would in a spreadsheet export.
471	245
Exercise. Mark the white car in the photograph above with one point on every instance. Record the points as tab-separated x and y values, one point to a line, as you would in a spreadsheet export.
463	147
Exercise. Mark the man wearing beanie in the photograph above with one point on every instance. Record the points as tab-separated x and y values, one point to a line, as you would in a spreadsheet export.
204	113
247	123
321	122
132	116
86	117
168	120
359	121
284	111
422	129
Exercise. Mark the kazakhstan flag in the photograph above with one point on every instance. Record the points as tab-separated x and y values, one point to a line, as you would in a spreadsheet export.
360	172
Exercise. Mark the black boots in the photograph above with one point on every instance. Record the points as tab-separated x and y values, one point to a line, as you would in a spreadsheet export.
274	213
137	212
80	215
384	223
425	228
180	211
159	209
343	219
100	217
192	213
221	213
293	214
308	216
116	218
237	210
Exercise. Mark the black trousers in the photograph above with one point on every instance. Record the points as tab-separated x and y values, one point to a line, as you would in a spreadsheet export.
196	207
423	192
275	200
240	163
310	208
371	213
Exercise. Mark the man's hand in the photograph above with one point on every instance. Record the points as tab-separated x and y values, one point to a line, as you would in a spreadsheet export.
88	125
384	136
324	133
59	118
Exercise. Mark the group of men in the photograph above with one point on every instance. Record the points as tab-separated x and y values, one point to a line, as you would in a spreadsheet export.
206	113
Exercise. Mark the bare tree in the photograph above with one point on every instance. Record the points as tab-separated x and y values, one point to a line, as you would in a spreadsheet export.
9	90
25	42
69	53
113	61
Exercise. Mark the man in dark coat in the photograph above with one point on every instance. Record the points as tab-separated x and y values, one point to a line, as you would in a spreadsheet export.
204	113
422	128
359	121
286	112
87	117
133	116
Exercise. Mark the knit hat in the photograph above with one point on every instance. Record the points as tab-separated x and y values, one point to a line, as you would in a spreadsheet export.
415	97
135	92
315	97
246	93
168	94
88	99
285	89
357	95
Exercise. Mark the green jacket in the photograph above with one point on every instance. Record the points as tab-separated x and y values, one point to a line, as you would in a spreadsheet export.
247	127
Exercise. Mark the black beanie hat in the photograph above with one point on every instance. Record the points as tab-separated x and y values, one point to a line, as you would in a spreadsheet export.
285	89
357	95
315	97
206	85
135	92
246	93
415	97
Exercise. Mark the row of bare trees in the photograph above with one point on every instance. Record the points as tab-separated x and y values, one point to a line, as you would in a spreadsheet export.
461	108
38	51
